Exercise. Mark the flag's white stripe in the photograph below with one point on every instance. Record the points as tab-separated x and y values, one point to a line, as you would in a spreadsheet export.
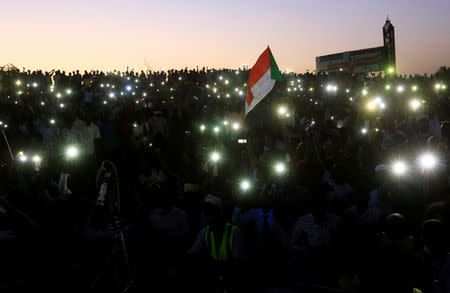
261	89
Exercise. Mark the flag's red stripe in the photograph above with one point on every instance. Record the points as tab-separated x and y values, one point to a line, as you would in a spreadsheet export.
258	70
250	97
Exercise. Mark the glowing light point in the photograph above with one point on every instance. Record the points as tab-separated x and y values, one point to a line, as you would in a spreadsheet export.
72	152
215	157
36	159
282	110
280	168
23	158
414	104
427	161
245	185
399	168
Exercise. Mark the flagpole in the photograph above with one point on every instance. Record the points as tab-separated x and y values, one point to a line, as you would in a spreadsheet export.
7	143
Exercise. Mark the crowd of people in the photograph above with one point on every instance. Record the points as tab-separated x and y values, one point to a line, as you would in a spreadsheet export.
137	181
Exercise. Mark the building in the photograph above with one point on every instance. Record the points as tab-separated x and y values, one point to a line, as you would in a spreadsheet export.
377	59
389	42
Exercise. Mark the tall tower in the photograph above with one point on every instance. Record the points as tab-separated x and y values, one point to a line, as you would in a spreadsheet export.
389	43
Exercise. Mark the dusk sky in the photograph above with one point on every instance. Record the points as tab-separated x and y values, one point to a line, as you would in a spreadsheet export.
114	34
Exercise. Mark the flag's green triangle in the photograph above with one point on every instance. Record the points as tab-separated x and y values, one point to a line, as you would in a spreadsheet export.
274	71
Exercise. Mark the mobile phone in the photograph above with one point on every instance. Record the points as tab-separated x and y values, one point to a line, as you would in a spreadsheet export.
310	125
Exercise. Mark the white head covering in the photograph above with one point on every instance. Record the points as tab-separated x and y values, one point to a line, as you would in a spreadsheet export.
214	200
380	168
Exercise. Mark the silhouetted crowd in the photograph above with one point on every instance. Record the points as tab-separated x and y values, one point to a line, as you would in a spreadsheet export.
157	181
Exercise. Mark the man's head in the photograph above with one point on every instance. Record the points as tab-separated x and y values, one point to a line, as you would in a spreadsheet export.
213	208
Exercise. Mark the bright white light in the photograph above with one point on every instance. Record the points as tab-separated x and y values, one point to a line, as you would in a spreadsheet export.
225	122
226	81
399	168
241	93
414	104
68	91
414	88
202	127
23	158
400	89
216	129
61	105
437	86
371	106
72	152
58	95
364	131
18	82
280	168
52	121
129	88
36	159
427	161
364	92
135	125
382	105
387	87
42	103
245	185
331	88
236	126
282	110
215	157
34	84
111	95
347	90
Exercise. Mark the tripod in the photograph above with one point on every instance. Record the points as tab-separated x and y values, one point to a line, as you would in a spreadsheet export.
110	179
